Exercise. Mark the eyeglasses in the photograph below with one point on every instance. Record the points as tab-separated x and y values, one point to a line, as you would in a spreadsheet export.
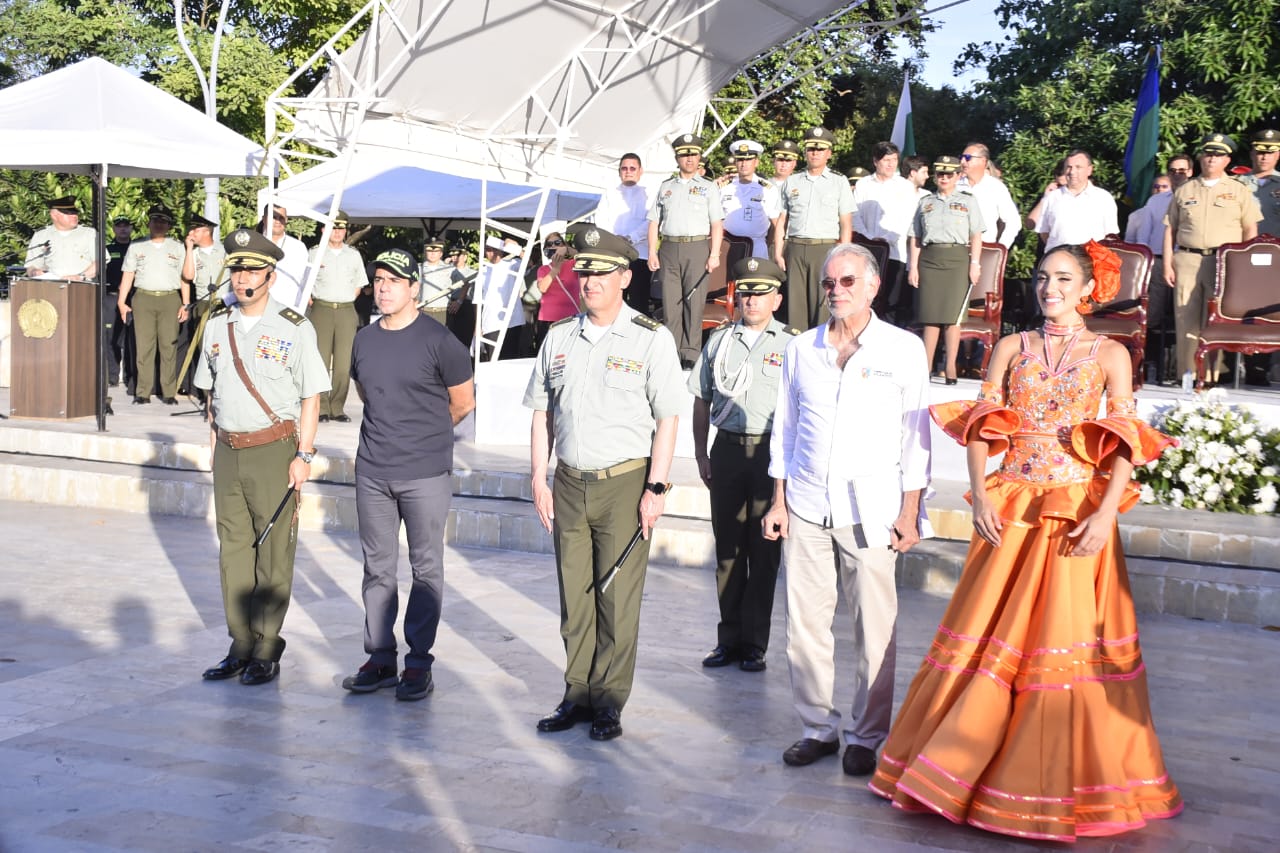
968	157
553	244
628	168
845	281
1181	171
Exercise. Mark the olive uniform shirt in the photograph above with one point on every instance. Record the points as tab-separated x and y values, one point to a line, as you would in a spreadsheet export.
156	266
1205	217
1266	189
686	208
950	220
337	276
437	283
208	263
815	203
279	354
68	253
751	369
606	398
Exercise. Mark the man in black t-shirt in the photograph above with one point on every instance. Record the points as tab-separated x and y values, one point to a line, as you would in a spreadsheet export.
415	380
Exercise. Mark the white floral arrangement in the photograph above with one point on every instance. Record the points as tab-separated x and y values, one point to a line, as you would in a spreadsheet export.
1225	461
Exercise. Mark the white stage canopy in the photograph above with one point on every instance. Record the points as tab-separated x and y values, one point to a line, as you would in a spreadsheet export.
95	114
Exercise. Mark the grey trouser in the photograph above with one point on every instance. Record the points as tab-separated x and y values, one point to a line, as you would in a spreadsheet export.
423	506
683	273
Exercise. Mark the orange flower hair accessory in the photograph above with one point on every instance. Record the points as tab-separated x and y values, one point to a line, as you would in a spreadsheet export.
1106	276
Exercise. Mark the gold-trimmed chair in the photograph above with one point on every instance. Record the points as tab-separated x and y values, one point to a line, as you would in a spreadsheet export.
981	320
1124	318
1244	311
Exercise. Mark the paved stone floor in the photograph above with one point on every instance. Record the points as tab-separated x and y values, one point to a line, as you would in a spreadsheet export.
109	740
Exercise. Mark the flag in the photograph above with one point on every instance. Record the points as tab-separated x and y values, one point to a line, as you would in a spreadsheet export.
1144	135
904	135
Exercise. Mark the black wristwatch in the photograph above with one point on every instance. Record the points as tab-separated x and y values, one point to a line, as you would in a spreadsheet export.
657	488
305	455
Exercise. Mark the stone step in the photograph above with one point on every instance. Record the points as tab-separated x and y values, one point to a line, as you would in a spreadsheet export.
493	509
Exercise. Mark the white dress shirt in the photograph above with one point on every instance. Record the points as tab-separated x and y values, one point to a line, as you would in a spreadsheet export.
624	211
1076	218
877	406
997	207
884	211
291	272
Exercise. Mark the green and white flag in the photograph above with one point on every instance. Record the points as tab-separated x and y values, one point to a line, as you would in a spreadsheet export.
904	135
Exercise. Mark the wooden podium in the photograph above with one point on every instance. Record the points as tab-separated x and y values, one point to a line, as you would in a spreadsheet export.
55	348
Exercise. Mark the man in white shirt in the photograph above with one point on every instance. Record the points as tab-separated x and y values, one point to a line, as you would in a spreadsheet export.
1080	211
624	211
849	456
885	202
998	210
751	204
499	301
291	271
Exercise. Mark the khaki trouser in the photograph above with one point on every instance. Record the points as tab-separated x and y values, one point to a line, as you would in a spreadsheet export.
1194	286
155	327
815	559
803	300
594	521
335	333
248	485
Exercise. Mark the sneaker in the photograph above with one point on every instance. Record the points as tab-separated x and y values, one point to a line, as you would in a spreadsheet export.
414	684
371	677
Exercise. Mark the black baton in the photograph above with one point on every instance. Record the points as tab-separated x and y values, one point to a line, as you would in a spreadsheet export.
613	570
262	537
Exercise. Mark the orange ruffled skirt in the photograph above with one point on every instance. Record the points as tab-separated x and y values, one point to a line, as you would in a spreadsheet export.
1029	715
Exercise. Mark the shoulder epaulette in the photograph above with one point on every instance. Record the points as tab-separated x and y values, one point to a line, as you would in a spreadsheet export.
1248	180
569	319
292	316
792	330
646	322
220	309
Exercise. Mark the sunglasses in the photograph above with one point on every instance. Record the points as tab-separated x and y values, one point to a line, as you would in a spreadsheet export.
968	157
845	281
553	244
279	217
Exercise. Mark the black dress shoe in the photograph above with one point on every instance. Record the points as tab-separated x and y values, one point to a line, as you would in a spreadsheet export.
228	667
720	656
260	672
859	761
371	677
342	419
808	750
324	419
607	725
566	715
752	661
170	401
138	401
950	380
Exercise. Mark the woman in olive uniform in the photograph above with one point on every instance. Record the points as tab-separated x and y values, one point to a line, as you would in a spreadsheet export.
945	247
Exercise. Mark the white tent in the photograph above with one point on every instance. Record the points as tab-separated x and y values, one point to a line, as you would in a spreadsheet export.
95	114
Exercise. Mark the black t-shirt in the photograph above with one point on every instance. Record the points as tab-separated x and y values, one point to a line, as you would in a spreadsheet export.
407	433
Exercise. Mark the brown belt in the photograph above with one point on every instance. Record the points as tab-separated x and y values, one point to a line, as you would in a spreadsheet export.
257	438
327	304
742	438
1204	253
810	241
603	473
666	239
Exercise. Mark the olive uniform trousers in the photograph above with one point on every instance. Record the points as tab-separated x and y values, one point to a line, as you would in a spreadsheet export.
802	298
335	324
594	522
155	328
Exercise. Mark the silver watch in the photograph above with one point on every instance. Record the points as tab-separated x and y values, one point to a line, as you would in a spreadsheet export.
305	455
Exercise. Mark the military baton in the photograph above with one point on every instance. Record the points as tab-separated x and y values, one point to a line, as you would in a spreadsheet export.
613	570
262	537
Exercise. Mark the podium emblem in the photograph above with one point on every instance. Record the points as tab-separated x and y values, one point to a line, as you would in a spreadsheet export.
37	318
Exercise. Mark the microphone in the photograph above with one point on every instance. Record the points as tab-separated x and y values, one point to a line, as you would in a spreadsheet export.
248	293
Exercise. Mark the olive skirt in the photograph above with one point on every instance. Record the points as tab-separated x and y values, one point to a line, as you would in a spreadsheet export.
944	284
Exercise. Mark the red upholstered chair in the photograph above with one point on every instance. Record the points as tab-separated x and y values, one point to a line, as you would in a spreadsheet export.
1244	311
1124	318
981	321
719	288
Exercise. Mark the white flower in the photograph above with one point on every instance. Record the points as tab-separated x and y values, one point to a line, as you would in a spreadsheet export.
1147	495
1188	474
1267	471
1213	427
1267	494
1212	494
1177	496
1252	446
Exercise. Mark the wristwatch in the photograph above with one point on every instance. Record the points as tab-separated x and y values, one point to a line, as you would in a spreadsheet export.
657	488
305	455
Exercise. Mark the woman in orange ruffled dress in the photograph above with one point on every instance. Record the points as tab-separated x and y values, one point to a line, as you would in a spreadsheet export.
1029	715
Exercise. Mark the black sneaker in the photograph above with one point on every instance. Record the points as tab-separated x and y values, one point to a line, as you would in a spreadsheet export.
371	677
414	684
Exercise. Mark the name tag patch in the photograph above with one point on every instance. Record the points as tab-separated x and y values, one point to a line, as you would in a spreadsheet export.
558	363
273	349
624	365
214	349
868	373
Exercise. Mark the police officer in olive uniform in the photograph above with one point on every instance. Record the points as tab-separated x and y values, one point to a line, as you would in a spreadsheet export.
438	278
202	269
1207	211
1264	150
265	376
64	248
785	156
153	274
606	391
338	274
688	216
115	350
817	213
735	387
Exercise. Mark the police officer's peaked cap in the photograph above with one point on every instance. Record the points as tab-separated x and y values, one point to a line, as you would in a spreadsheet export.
745	149
818	137
598	250
946	165
434	244
1266	141
687	143
857	173
66	203
159	211
1217	143
248	250
399	262
122	220
341	220
756	275
198	221
787	150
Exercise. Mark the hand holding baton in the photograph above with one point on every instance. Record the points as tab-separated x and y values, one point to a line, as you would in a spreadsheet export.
262	537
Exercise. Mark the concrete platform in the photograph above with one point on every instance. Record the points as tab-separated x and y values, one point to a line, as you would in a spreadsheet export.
110	742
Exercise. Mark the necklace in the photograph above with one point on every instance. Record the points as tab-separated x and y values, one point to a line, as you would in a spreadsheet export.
1072	333
1062	329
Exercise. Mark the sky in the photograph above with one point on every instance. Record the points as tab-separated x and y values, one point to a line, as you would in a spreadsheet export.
964	22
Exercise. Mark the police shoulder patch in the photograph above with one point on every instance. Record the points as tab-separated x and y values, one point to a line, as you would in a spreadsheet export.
792	330
292	316
646	322
570	319
220	309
